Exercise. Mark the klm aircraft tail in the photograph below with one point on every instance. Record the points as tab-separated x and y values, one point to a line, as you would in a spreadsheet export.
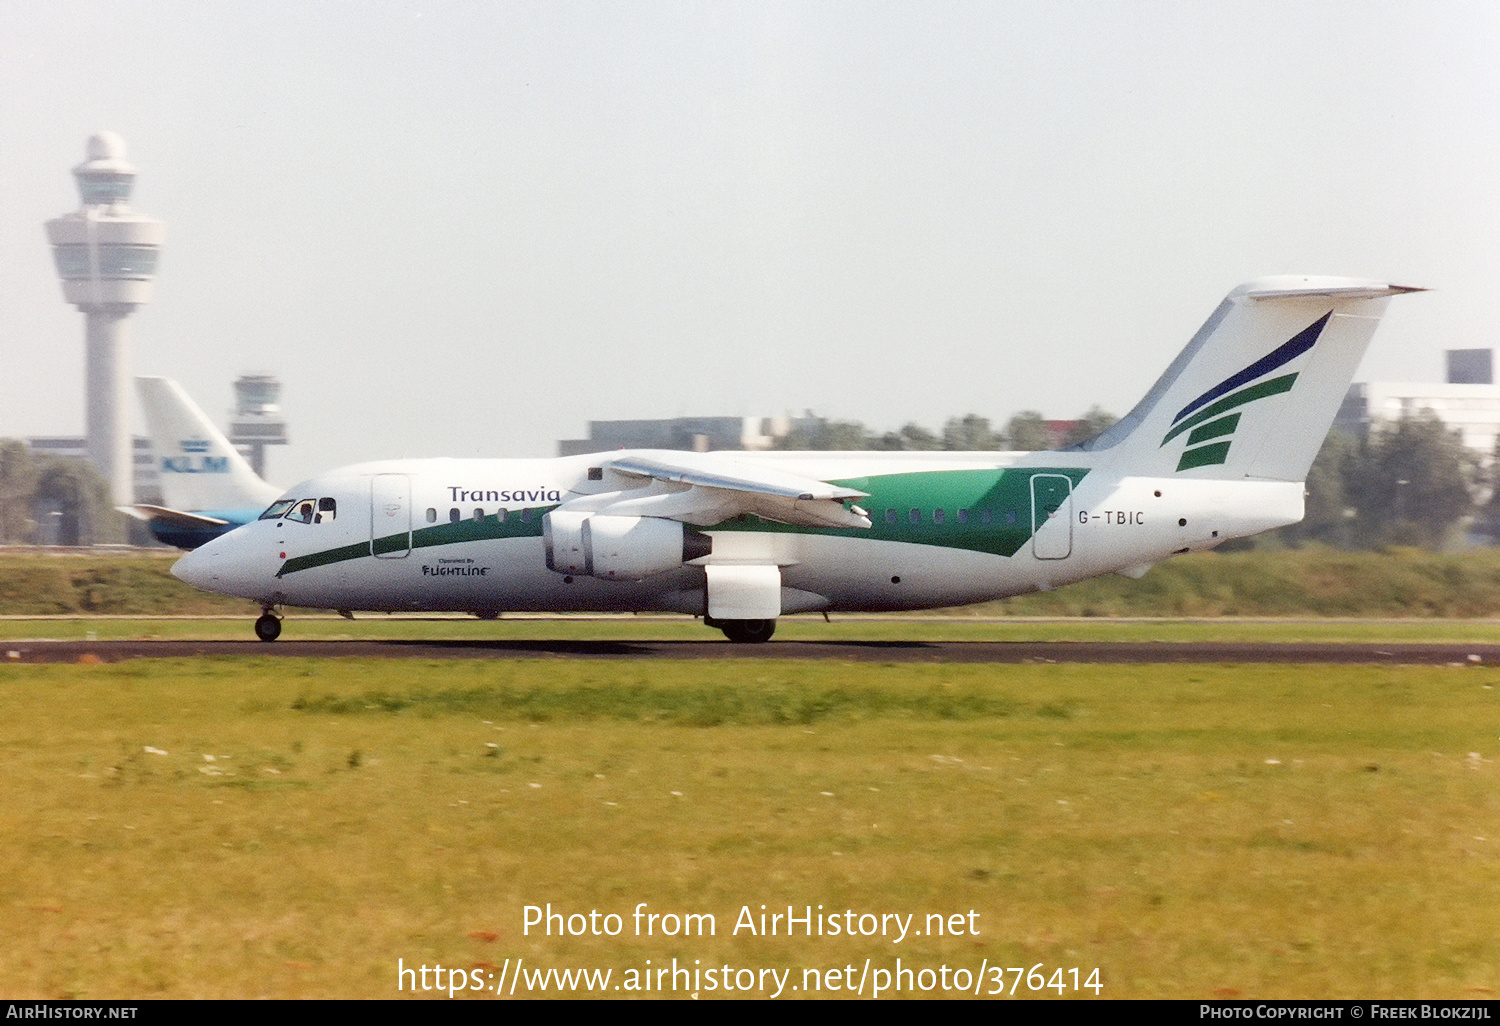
199	470
1254	393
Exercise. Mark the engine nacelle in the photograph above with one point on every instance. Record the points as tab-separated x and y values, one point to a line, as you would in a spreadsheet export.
618	548
564	538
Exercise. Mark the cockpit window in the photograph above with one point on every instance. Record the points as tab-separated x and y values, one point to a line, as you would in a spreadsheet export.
302	511
278	509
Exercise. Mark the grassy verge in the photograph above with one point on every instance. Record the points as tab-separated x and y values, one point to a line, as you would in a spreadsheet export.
1306	582
292	828
85	582
1312	581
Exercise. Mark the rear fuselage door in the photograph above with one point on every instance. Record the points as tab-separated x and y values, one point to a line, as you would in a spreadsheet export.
390	516
1051	516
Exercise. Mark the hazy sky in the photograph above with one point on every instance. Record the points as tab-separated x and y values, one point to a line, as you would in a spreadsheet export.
468	228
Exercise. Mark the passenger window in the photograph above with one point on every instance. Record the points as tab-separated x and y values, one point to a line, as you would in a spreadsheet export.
915	516
891	516
327	511
938	516
963	516
500	515
478	515
986	517
431	515
454	516
1010	516
525	515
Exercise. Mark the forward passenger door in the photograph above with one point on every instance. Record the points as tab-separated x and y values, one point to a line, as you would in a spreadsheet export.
390	516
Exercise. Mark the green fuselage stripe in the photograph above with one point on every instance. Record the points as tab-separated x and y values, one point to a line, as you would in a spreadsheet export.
491	527
1002	495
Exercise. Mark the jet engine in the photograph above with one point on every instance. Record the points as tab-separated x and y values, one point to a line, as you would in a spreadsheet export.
618	548
563	538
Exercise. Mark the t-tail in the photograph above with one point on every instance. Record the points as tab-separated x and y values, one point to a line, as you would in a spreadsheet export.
1254	393
207	487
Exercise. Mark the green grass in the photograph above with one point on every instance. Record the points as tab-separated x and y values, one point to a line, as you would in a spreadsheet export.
310	625
1311	581
1306	582
291	828
92	582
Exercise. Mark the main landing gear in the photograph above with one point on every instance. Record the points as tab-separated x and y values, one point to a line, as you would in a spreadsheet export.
745	631
268	627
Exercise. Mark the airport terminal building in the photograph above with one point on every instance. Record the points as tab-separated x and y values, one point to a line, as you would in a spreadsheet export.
1467	402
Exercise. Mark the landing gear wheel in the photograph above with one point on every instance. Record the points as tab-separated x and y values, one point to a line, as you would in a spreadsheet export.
268	627
747	631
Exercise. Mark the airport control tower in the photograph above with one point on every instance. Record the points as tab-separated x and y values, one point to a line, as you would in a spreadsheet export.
106	257
256	420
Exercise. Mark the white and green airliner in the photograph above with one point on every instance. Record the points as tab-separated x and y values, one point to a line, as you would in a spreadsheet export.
1219	448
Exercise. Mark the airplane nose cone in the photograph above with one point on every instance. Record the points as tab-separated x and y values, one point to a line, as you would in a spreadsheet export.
198	569
226	565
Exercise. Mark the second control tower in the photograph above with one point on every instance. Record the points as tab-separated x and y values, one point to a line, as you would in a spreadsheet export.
256	420
106	256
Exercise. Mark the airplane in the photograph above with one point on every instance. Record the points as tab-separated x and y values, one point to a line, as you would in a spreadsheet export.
206	485
1218	448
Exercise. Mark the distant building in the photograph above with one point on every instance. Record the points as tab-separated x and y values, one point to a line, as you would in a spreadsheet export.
59	520
1471	366
691	434
1468	402
147	481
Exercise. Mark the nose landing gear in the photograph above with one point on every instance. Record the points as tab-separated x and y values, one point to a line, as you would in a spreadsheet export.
268	626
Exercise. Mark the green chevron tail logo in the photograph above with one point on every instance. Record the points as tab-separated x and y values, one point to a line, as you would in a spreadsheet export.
1211	419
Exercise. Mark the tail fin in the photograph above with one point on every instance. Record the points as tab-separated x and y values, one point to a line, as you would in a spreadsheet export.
199	469
1254	393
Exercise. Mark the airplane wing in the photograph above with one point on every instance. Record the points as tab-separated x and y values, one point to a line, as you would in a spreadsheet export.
706	489
175	517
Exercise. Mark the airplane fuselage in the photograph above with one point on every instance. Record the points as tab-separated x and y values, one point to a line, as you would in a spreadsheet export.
1218	448
949	529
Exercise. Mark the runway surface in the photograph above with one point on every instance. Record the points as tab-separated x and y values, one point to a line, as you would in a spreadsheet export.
1437	654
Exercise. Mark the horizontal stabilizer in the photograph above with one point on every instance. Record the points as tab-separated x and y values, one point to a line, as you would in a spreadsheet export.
175	517
1297	288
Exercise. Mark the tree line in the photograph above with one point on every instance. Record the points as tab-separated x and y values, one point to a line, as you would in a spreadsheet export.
51	499
1027	431
1408	482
